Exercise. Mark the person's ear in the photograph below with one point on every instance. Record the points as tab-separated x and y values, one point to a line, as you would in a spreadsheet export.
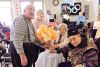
24	10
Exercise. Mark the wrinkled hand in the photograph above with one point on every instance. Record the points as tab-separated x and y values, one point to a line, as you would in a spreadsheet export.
24	60
79	65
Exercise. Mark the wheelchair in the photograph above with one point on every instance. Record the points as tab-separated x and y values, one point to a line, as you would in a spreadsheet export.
5	58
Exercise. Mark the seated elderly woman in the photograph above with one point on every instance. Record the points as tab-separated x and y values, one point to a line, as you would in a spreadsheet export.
82	52
47	35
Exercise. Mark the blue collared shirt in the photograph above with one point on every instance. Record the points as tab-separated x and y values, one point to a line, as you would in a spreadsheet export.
81	19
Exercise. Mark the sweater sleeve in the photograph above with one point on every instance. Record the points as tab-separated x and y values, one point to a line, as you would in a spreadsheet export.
64	51
19	33
91	58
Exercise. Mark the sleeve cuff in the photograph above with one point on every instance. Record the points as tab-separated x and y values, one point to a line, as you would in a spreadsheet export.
19	51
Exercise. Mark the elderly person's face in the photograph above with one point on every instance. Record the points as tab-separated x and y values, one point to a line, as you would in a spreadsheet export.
47	44
40	15
63	30
29	11
75	40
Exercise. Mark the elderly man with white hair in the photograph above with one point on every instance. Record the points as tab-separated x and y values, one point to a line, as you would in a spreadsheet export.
23	50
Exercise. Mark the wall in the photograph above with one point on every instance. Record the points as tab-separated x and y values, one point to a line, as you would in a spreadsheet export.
54	9
15	8
93	9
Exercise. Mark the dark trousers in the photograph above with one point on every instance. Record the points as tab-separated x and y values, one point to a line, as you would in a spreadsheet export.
98	45
31	52
65	64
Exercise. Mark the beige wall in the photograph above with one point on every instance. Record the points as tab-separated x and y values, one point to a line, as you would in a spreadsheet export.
54	9
93	9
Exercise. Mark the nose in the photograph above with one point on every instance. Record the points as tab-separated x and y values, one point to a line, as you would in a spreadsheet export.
72	41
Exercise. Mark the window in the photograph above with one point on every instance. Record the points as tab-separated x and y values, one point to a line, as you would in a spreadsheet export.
38	5
5	13
23	4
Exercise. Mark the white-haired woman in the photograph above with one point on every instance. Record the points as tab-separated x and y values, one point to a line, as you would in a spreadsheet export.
62	39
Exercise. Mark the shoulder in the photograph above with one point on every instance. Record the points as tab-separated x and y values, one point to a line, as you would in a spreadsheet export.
20	20
91	47
92	50
91	53
19	17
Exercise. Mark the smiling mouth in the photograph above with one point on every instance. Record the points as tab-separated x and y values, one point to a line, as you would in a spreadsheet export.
74	43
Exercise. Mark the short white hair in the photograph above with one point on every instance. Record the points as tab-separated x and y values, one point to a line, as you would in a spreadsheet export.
28	6
63	25
39	11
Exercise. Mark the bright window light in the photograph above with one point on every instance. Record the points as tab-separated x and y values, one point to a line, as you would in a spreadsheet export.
5	13
23	5
37	5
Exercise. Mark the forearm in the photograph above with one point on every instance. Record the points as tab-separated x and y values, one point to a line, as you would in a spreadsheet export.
63	50
64	43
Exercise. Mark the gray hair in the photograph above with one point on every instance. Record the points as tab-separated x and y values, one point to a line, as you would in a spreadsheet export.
39	11
28	6
63	25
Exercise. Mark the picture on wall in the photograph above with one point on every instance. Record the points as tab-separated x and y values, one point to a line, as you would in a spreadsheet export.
71	9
